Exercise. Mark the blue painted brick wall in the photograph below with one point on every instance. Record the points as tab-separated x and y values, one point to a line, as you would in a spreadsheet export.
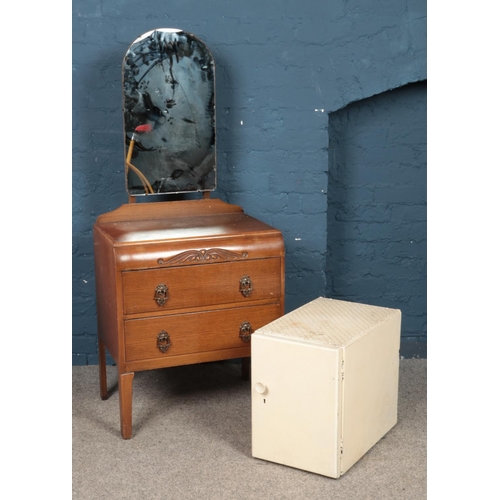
377	233
281	68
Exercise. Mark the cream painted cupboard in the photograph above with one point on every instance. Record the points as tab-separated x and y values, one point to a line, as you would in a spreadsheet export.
324	384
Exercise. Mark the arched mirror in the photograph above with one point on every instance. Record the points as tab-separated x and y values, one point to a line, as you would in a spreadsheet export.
169	114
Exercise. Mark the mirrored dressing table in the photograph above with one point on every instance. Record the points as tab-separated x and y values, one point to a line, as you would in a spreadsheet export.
185	281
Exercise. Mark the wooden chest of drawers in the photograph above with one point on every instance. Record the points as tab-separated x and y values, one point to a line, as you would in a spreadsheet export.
182	282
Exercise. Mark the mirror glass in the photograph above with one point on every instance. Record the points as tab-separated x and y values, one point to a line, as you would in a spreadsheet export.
169	114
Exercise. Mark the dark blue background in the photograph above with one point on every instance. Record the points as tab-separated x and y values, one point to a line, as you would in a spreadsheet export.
311	138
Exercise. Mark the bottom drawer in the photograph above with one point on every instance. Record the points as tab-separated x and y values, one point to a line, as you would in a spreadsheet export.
195	332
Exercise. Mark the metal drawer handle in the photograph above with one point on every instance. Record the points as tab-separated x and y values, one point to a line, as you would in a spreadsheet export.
161	294
245	331
163	341
245	286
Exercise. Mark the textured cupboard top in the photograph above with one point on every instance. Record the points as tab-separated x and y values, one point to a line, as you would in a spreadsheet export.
329	321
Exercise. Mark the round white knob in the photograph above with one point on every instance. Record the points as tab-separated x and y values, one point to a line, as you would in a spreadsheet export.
260	388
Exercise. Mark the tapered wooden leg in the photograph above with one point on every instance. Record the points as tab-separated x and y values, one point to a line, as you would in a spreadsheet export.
103	384
245	368
125	390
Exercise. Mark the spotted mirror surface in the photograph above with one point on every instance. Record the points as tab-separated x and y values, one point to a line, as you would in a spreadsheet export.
169	114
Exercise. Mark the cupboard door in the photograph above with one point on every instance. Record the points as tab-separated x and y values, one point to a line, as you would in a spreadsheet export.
295	404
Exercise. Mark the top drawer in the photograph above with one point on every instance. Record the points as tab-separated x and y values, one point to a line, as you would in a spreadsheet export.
201	285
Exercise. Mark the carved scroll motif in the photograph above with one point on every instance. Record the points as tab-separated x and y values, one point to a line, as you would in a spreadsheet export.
212	254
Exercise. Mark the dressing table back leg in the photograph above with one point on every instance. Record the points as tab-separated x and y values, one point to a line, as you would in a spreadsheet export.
102	369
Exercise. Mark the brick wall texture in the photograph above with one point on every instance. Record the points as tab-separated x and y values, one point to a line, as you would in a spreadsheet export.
376	224
288	74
